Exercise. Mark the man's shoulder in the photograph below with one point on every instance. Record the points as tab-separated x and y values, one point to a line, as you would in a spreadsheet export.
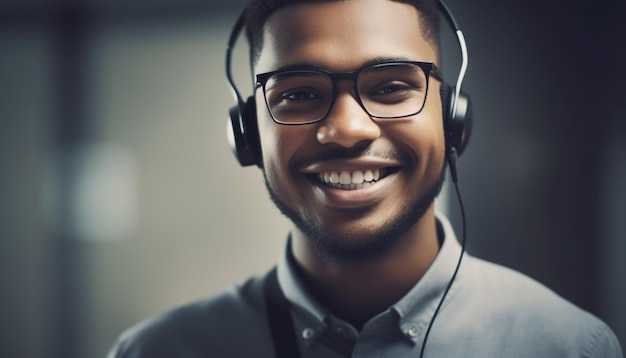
214	326
516	295
507	287
516	305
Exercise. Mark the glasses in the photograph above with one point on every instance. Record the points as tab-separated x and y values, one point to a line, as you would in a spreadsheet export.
385	91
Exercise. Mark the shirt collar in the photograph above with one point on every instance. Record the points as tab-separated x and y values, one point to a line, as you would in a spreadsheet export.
294	289
415	309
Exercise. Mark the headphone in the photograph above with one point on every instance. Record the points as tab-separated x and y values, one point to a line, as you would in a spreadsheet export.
243	131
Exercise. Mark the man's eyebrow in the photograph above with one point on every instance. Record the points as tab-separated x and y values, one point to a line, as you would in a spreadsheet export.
302	66
379	60
317	66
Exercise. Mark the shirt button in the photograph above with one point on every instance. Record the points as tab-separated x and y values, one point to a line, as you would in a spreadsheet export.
308	333
411	331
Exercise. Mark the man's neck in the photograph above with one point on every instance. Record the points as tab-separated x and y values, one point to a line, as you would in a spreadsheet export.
357	293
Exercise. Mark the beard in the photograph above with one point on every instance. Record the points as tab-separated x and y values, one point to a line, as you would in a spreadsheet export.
343	249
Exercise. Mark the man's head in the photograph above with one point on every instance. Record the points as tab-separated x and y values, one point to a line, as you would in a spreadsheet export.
352	183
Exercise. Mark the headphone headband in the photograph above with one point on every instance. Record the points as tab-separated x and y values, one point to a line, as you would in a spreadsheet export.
232	41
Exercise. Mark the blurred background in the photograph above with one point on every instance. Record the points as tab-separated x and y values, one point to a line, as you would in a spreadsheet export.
120	198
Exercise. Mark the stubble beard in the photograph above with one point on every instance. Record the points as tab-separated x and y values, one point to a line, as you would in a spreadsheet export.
343	249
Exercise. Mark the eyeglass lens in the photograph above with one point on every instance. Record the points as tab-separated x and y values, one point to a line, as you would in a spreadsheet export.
384	91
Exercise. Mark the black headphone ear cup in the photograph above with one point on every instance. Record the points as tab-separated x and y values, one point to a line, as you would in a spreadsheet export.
461	122
458	126
243	133
252	131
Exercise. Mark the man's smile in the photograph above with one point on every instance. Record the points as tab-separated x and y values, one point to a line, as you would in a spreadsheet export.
354	179
350	180
352	183
351	174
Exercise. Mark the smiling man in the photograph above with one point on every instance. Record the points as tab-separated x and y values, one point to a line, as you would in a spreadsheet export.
352	145
360	249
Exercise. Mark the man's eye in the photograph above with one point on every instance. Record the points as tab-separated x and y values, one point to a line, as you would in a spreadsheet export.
392	88
299	95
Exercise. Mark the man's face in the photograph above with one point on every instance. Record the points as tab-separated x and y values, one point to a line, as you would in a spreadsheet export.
407	153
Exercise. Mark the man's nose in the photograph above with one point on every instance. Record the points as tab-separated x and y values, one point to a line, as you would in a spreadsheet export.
347	124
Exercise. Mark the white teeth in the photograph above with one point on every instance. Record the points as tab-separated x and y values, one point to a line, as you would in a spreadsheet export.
358	177
345	178
368	175
351	180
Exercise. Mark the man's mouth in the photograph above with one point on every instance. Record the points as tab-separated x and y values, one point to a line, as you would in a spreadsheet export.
354	179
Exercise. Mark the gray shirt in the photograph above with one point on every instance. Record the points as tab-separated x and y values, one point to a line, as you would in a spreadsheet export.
490	311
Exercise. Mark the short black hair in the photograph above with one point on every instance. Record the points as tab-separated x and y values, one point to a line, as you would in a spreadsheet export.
258	11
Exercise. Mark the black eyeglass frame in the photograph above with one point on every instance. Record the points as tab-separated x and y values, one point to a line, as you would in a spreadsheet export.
428	68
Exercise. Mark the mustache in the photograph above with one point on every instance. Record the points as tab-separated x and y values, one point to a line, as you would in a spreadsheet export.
350	153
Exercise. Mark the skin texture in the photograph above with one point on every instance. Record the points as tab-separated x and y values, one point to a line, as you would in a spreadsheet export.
359	251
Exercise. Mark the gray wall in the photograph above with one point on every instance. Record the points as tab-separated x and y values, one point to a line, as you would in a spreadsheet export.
119	197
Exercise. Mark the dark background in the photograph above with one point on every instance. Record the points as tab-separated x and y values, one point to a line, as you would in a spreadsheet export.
141	85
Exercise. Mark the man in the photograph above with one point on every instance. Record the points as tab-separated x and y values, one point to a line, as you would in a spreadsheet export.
353	150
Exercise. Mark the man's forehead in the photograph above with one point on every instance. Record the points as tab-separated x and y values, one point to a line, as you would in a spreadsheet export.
342	32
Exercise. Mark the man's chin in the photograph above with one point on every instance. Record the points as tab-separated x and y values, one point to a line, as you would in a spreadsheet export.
360	244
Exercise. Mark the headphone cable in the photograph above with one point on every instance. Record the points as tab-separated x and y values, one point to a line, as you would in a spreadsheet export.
452	164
